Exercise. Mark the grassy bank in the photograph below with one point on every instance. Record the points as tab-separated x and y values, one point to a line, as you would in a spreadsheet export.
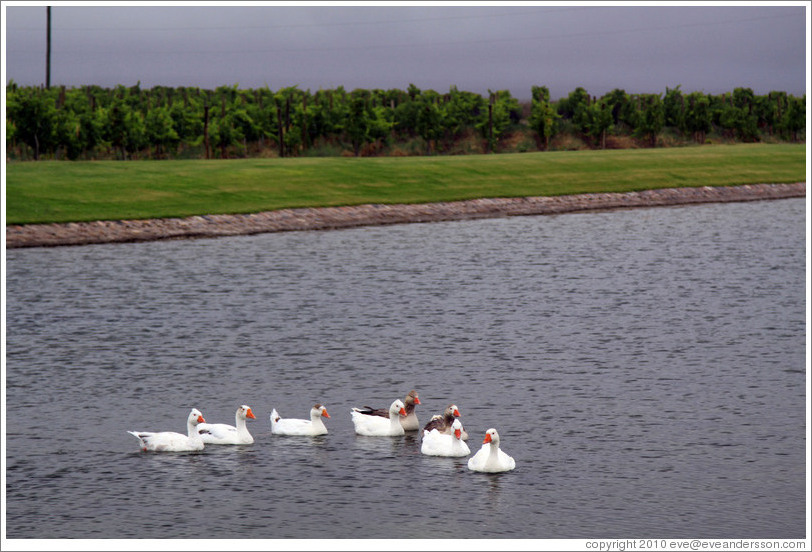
81	191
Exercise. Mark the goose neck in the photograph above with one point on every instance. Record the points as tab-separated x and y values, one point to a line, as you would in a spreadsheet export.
394	423
317	423
191	431
493	452
242	429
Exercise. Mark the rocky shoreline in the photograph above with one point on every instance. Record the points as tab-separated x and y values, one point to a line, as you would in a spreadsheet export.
328	218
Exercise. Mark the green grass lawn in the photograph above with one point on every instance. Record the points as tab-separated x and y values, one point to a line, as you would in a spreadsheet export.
63	191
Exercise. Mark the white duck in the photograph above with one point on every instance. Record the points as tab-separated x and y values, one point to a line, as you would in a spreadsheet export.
441	444
293	426
490	457
224	434
410	422
376	426
170	441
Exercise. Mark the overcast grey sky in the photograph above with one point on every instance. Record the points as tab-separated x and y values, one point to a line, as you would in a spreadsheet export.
640	48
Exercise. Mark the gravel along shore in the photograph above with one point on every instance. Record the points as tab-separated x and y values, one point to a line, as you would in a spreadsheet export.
328	218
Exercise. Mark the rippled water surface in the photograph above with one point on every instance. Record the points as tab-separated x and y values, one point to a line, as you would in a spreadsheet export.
645	368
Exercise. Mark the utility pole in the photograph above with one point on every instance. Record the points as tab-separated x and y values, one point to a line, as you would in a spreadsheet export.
48	51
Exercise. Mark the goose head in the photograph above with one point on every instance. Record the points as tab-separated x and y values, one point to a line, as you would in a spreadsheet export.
491	436
452	411
195	417
245	412
412	398
457	427
317	411
397	409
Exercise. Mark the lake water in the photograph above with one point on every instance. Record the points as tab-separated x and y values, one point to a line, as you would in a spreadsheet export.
645	368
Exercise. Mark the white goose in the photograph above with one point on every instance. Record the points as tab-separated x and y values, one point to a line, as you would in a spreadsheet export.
441	444
224	434
410	422
293	426
170	441
376	426
490	457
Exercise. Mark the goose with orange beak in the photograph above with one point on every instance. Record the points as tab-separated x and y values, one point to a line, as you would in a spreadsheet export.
294	426
224	434
376	426
441	444
442	423
170	441
409	422
490	458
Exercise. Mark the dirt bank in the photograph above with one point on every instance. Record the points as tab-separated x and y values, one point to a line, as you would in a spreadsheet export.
82	233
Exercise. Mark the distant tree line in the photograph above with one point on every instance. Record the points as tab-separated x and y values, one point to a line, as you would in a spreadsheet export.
91	122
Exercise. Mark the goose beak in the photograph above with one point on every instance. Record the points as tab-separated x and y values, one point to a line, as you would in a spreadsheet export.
324	413
416	400
457	433
201	420
402	412
250	414
487	438
457	413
